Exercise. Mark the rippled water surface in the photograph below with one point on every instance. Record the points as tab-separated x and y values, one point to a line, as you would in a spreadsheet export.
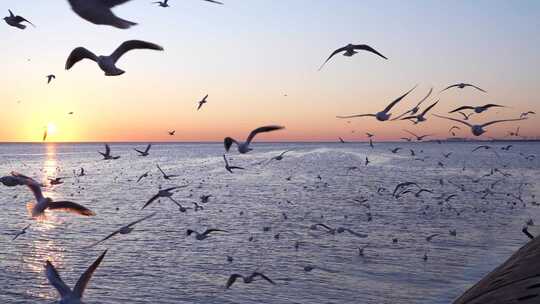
314	183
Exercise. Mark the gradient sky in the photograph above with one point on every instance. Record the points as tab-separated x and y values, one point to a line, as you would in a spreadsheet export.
248	53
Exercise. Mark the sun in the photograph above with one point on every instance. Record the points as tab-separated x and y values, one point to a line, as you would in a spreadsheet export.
51	128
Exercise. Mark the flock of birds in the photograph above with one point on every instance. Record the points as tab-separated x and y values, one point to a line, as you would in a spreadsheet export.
99	12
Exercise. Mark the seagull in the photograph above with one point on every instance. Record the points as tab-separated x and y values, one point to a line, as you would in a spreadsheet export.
164	3
462	86
81	173
124	229
165	176
145	152
230	168
466	116
477	109
204	235
416	108
481	147
244	147
99	12
280	156
418	138
367	161
23	231
107	155
406	139
164	193
350	49
525	230
55	181
341	140
142	176
108	63
507	148
383	115
360	235
430	237
45	134
202	102
511	133
42	203
403	185
50	78
247	280
421	117
395	150
68	296
452	128
71	113
328	229
525	114
478	130
16	21
171	133
213	1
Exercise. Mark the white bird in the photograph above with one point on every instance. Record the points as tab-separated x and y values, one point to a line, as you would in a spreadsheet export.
244	147
384	115
145	152
68	296
16	21
478	130
99	12
462	86
350	50
123	230
108	63
42	203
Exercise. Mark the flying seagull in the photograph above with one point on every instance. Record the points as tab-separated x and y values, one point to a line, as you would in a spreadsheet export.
244	147
50	78
204	235
68	296
351	49
164	3
166	193
213	1
466	116
384	115
16	21
124	229
525	114
165	176
108	63
478	130
341	140
107	155
23	231
462	86
99	12
247	280
477	109
202	102
416	108
145	152
418	138
421	117
45	203
45	134
142	176
171	133
230	168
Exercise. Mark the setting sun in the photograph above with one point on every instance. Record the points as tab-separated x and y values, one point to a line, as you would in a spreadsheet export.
51	128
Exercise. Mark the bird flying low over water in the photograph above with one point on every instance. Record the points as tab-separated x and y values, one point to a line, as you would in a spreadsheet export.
247	280
351	49
124	229
23	231
230	168
108	63
16	21
99	12
204	235
418	138
164	3
213	1
478	130
416	108
107	155
477	109
384	115
44	134
145	152
462	86
165	193
244	147
67	295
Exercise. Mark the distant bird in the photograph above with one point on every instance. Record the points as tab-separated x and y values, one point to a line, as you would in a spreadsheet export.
68	296
164	3
466	116
230	168
351	49
507	148
516	133
55	181
124	229
430	237
244	147
145	152
71	113
247	280
481	147
422	116
525	114
202	102
369	135
447	155
416	108
16	21
452	130
45	134
165	176
395	150
462	86
407	139
477	109
341	140
23	231
171	133
478	130
204	235
371	144
82	173
108	63
418	138
107	155
213	1
367	161
165	193
384	115
50	78
42	203
99	12
280	156
142	176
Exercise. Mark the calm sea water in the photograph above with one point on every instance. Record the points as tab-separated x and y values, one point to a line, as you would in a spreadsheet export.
158	263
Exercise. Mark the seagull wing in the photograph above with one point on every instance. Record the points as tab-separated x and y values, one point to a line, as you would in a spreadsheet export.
70	207
140	220
429	108
332	55
491	105
31	183
359	115
232	279
111	3
258	274
208	231
79	288
262	130
133	45
79	54
391	105
453	119
161	170
155	197
462	108
449	87
366	47
411	133
471	85
55	280
105	238
213	1
20	19
424	99
503	120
